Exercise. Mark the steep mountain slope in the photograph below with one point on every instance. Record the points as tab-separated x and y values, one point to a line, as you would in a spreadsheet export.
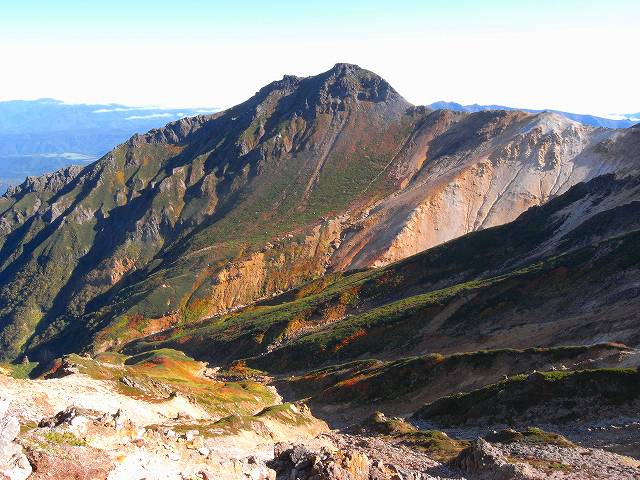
195	195
565	273
310	175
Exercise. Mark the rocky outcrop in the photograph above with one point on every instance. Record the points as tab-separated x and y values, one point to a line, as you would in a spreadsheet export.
279	266
298	463
483	461
49	182
14	465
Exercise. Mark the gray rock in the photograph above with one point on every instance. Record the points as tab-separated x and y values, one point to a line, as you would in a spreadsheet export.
4	404
485	462
13	463
9	428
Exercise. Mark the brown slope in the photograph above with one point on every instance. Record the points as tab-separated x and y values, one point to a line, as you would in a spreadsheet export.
483	171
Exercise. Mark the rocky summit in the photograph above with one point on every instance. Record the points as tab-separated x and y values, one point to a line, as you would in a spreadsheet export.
326	282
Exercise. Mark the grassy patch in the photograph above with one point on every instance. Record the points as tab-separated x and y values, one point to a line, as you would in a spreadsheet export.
28	426
159	374
66	438
19	370
287	413
436	444
530	435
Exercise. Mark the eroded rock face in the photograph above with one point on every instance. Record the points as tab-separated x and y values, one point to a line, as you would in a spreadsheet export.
468	174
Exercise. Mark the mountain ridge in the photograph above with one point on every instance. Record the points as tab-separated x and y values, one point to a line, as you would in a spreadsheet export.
213	212
627	121
293	268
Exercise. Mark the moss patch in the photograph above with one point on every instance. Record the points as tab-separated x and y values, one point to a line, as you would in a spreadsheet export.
530	435
436	444
66	438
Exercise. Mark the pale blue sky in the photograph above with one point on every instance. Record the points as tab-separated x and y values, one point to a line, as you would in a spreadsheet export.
565	54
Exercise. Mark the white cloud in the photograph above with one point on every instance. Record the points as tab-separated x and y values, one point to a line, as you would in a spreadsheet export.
151	115
124	109
620	116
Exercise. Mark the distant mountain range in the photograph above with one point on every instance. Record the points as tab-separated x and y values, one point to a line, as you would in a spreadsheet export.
38	136
626	120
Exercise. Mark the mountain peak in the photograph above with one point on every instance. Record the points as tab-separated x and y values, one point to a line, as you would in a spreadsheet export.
346	68
341	88
346	80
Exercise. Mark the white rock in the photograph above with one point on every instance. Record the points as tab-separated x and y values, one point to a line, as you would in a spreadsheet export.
13	463
204	451
9	428
4	404
79	423
259	474
190	435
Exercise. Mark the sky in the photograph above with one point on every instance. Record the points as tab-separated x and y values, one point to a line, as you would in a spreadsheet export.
573	55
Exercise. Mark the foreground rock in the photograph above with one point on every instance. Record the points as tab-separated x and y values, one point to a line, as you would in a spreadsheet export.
356	457
297	462
14	465
486	462
86	429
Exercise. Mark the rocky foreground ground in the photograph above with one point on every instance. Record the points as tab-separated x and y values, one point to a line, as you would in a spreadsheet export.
85	426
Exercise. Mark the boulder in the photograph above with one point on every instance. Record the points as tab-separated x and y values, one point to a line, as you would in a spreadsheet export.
78	463
297	462
14	465
484	461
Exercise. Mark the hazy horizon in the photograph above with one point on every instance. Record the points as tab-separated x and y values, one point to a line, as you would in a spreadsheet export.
204	109
576	56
